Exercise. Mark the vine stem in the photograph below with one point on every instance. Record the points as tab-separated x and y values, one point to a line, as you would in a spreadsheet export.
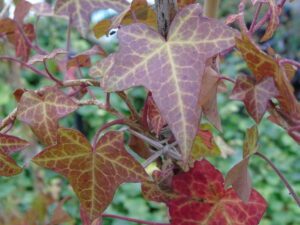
228	79
284	180
130	106
51	76
257	11
104	127
289	61
132	219
40	72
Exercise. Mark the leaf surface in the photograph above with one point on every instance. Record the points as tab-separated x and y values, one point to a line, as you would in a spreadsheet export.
42	112
202	199
204	143
274	20
172	70
8	145
80	10
238	176
154	118
254	95
95	173
263	65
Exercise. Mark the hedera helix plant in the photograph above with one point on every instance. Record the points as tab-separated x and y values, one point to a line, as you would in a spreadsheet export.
173	49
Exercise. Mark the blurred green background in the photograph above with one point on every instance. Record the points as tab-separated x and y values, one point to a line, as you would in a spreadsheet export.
27	192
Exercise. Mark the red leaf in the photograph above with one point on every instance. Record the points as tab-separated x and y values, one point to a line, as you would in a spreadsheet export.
254	95
94	173
202	199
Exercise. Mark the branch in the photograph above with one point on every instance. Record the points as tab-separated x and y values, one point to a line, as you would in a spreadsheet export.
257	11
104	127
130	106
284	180
32	68
132	220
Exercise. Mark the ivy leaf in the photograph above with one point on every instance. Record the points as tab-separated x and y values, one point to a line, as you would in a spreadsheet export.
22	9
42	112
138	12
8	145
208	96
154	118
204	143
171	69
94	173
202	199
274	20
254	95
238	176
83	59
263	65
79	11
251	142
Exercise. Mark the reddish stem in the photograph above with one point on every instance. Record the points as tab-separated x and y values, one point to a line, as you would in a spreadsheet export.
255	17
132	220
227	78
51	76
284	180
289	61
104	127
25	65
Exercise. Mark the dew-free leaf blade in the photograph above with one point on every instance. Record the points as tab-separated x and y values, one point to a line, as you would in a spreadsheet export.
95	173
255	95
42	112
202	199
171	69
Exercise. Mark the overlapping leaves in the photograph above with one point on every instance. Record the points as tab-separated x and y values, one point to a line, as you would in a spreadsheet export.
263	65
172	69
42	112
8	145
94	172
